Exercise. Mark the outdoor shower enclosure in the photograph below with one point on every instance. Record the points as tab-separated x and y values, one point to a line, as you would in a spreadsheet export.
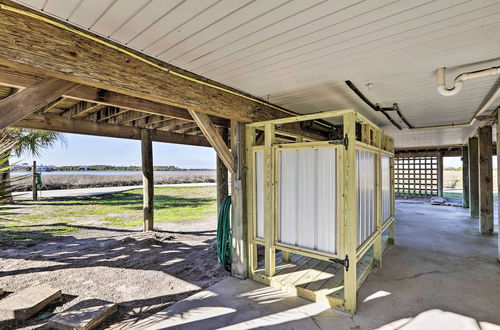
327	196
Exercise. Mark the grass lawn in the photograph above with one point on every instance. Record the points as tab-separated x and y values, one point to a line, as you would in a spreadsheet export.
43	219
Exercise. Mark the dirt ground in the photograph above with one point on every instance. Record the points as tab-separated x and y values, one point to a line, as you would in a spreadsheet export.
142	272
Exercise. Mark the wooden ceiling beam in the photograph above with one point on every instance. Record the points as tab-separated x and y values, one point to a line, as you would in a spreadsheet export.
164	123
22	78
215	138
82	109
32	44
181	127
52	105
31	99
58	123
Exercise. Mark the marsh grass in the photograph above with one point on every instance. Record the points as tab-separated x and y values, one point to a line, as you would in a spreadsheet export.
32	221
71	181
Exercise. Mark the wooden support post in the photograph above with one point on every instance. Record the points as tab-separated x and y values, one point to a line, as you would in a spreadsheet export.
485	181
239	220
377	245
392	226
473	177
222	174
440	174
250	141
498	182
35	188
465	177
350	278
31	99
270	251
147	180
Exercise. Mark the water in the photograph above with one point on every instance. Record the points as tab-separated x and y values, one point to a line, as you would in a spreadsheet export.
112	172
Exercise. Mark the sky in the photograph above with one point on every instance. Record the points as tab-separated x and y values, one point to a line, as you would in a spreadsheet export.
94	150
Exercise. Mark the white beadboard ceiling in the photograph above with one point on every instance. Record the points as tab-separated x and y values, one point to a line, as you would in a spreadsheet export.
298	53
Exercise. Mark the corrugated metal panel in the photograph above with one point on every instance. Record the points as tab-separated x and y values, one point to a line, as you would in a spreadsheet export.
299	53
365	195
308	199
259	194
386	187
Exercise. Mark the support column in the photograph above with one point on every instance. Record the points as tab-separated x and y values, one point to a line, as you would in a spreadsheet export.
485	181
147	179
498	182
349	207
473	177
440	175
222	173
270	251
465	177
239	228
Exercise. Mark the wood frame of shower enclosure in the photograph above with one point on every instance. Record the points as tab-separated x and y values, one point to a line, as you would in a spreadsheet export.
361	134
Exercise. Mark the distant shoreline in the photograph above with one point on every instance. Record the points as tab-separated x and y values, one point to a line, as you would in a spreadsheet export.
95	179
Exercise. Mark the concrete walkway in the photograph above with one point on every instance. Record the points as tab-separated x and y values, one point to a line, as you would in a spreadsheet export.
441	275
86	192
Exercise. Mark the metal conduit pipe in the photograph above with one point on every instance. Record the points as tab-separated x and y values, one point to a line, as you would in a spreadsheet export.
459	80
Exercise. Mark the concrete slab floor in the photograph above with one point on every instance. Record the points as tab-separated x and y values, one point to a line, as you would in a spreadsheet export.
441	275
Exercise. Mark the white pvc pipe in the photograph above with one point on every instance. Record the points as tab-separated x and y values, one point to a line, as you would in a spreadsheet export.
457	86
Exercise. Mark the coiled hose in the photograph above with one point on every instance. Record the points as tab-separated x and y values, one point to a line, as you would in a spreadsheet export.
224	251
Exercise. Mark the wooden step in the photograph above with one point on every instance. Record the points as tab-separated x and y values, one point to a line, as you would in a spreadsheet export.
84	315
23	304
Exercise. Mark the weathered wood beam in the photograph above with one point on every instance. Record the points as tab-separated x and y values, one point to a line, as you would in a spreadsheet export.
148	185
465	176
161	123
485	181
82	109
182	127
146	121
109	112
239	220
215	139
440	174
29	43
189	130
473	177
222	173
79	126
127	117
21	79
31	99
52	105
498	181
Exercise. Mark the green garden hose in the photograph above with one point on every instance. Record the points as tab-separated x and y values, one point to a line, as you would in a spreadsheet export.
224	251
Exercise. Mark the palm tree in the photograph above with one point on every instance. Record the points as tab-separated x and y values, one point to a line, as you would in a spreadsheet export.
27	141
7	143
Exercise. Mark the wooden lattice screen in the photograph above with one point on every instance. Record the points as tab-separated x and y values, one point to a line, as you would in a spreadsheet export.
416	175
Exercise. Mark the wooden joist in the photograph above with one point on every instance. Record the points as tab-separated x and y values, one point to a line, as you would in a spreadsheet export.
182	127
215	138
81	109
31	99
54	104
79	126
21	79
32	44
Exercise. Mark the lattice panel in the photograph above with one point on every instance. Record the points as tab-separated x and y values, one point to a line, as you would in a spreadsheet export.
416	176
